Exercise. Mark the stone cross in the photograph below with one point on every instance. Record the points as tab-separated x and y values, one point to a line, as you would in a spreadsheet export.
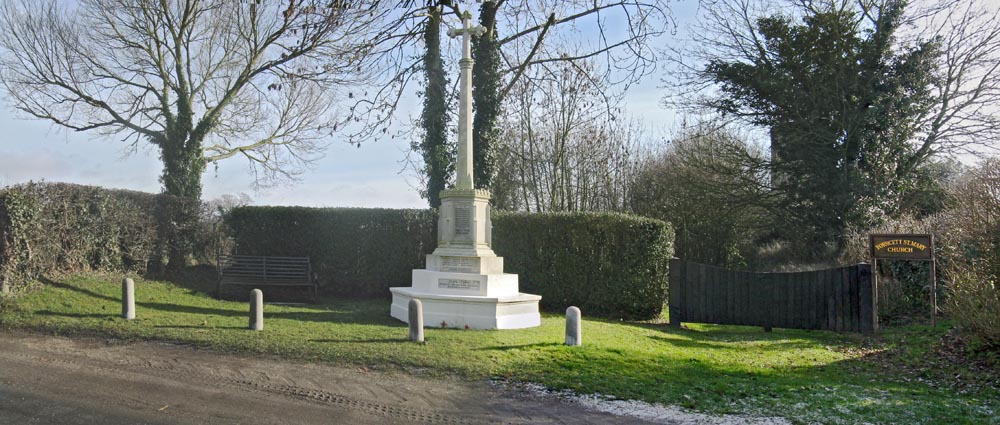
464	166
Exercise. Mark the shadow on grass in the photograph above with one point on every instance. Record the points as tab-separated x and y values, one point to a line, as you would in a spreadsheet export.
188	309
771	345
519	347
207	328
77	315
713	333
334	312
323	316
317	314
372	340
87	292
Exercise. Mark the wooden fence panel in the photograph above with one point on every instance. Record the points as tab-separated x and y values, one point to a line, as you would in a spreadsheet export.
841	299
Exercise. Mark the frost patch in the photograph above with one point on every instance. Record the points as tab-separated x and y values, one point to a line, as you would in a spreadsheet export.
643	410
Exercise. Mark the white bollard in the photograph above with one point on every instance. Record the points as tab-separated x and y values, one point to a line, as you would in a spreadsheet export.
128	299
573	334
256	310
416	313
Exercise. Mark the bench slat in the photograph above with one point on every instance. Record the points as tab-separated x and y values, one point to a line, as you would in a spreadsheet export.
248	270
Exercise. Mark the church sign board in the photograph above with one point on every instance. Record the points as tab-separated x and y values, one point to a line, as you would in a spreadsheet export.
902	247
917	247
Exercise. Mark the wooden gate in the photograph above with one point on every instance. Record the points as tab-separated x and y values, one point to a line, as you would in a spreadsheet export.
841	299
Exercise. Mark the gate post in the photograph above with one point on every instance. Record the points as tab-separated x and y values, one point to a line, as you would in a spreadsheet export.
868	299
676	276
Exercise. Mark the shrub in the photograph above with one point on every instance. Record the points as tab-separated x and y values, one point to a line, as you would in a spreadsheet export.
356	252
609	265
974	303
709	186
60	227
975	226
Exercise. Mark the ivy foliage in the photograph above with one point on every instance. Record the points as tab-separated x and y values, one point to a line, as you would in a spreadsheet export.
53	227
439	155
486	79
609	265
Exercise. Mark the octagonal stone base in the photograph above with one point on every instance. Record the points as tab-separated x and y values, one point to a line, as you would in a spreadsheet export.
477	312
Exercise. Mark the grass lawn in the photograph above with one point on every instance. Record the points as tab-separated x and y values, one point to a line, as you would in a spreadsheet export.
805	376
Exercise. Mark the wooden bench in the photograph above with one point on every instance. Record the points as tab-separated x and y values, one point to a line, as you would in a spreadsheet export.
256	271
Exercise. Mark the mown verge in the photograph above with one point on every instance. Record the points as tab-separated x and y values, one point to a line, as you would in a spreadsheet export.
802	375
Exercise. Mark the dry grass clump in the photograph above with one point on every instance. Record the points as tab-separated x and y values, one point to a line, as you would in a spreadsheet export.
974	303
974	299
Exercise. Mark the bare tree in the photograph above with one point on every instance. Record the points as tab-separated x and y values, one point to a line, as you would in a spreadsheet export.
521	35
564	149
966	118
201	80
713	187
615	36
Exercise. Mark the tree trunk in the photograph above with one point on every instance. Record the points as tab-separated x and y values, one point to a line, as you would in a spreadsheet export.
183	165
485	93
438	158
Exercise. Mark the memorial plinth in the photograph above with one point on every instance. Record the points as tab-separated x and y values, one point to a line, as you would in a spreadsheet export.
464	284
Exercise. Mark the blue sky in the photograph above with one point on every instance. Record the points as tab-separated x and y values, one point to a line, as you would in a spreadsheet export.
370	176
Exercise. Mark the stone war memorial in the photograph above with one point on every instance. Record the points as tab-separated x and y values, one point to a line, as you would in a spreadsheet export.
464	284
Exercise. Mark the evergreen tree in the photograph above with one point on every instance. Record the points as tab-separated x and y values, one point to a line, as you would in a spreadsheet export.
842	106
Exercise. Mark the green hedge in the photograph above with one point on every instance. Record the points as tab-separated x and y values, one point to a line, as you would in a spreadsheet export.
59	227
609	265
356	252
51	227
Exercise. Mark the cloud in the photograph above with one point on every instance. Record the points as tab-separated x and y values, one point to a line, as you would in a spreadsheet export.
80	165
39	164
383	193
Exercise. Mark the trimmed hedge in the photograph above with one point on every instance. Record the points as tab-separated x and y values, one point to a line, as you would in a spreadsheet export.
609	265
356	252
51	227
60	227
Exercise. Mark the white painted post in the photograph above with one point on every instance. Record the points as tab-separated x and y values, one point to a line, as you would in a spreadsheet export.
573	334
128	299
416	312
256	310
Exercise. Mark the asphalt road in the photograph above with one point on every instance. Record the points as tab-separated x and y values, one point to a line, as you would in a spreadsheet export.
55	380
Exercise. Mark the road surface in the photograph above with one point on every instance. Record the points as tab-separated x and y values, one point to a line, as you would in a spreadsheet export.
56	380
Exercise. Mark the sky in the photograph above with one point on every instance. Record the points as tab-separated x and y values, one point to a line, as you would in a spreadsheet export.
373	175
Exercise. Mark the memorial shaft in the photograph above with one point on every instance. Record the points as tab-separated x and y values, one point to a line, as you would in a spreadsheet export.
464	166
